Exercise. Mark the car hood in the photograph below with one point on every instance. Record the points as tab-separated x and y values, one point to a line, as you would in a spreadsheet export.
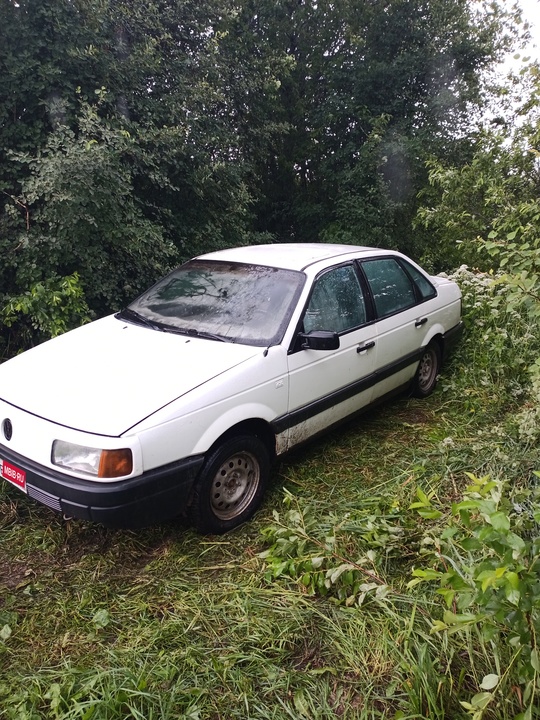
107	376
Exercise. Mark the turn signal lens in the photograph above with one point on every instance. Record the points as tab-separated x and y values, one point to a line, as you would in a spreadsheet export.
92	461
115	463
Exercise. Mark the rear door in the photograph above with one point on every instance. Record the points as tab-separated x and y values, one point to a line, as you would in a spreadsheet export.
405	304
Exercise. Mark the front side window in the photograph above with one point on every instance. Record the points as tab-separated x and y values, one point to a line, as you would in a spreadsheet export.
235	302
337	302
390	285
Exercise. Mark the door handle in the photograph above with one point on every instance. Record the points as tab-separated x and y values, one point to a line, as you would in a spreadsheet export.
366	346
421	322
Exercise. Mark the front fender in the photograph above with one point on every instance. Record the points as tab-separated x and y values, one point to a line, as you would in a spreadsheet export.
231	417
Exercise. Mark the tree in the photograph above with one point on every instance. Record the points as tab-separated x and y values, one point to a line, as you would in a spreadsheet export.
370	91
119	154
137	133
485	211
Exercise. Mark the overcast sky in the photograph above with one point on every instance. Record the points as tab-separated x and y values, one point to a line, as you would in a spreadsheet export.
531	12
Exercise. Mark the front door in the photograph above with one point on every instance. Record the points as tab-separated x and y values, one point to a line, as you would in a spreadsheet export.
327	386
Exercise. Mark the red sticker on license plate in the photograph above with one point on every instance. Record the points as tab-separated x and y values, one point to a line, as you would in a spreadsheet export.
14	475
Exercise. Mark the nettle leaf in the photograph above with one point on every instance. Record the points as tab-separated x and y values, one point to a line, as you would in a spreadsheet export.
489	681
481	700
499	520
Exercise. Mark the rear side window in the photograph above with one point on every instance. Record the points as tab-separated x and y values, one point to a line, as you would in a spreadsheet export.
391	286
422	283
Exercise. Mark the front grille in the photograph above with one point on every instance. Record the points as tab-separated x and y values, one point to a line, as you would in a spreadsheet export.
44	498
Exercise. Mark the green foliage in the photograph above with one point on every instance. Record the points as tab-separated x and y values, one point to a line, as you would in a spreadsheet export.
353	65
314	554
484	210
84	217
120	153
134	135
485	561
48	309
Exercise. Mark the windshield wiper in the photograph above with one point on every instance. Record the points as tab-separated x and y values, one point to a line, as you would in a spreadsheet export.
135	317
193	332
205	335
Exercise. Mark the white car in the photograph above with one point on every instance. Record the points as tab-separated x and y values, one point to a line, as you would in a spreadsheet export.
180	403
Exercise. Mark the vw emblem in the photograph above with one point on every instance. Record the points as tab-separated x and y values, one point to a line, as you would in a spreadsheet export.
7	429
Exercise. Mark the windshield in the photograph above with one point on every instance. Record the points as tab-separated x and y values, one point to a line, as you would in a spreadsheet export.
249	304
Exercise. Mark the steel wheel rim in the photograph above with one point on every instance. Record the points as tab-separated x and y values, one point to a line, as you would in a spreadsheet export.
427	370
235	485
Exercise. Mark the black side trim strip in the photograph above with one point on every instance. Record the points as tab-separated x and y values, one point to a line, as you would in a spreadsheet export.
305	412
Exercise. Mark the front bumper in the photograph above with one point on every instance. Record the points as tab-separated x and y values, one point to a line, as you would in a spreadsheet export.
152	497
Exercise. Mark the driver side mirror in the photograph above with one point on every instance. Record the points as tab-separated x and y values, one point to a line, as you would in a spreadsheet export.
320	340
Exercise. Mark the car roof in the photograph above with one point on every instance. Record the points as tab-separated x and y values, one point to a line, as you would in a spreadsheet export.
292	256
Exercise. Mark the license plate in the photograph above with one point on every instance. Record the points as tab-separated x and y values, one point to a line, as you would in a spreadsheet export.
13	474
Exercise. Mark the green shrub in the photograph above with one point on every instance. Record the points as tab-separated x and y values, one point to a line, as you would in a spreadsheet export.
46	310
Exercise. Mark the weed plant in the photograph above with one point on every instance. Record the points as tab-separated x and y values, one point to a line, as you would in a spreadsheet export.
390	574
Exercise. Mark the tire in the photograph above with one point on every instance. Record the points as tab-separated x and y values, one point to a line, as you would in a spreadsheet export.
230	485
427	373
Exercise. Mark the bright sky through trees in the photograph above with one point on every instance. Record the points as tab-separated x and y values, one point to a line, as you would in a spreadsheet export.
531	13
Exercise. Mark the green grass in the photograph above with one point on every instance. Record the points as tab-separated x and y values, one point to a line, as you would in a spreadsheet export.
163	623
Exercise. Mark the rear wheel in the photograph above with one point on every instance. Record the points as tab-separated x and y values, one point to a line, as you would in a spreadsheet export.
427	374
231	485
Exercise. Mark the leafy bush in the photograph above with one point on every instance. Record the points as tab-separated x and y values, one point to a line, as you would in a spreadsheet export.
485	561
49	308
314	553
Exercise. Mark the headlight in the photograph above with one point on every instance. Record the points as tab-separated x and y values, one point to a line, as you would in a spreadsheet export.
92	461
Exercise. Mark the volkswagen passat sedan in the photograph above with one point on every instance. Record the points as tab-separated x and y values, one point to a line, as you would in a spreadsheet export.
179	403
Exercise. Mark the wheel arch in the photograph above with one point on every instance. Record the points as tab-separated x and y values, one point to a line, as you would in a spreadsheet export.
439	339
253	426
437	335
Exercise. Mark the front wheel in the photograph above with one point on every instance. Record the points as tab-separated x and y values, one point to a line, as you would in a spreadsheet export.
427	374
231	485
